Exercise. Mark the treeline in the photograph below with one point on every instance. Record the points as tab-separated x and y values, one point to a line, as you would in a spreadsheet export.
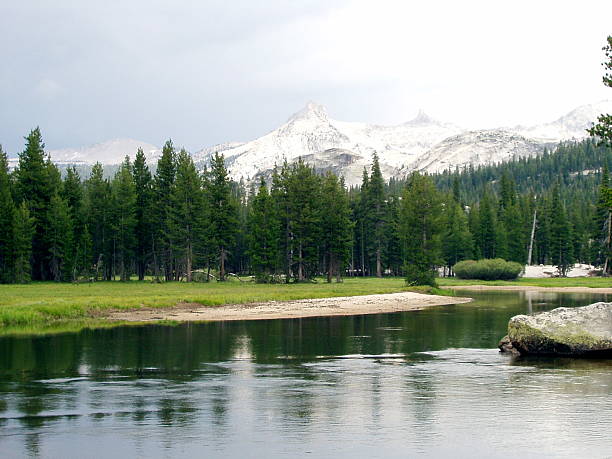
179	223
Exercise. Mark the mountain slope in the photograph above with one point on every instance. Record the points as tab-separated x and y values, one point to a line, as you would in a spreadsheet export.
312	135
109	152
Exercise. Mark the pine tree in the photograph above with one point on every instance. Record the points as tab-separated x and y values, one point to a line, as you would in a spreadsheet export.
223	212
59	238
603	221
421	224
7	216
377	214
35	186
363	217
186	199
262	234
98	205
280	200
561	246
80	250
143	182
457	240
304	197
164	182
22	244
336	226
124	219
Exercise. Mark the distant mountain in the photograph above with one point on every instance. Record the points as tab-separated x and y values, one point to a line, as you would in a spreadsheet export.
107	153
477	147
344	147
347	147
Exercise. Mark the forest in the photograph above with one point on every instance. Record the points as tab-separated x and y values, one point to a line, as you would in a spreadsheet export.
172	222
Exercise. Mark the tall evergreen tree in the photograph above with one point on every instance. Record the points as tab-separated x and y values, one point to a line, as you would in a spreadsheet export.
35	186
304	195
99	210
59	237
377	214
561	246
421	224
124	219
143	182
457	240
262	234
7	216
336	226
222	211
22	243
164	182
186	213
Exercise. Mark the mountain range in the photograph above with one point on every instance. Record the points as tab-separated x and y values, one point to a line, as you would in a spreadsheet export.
345	148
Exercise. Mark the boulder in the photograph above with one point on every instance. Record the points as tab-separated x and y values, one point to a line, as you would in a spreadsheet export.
584	331
506	346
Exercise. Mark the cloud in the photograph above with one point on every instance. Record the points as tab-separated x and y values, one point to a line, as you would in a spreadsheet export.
47	89
210	71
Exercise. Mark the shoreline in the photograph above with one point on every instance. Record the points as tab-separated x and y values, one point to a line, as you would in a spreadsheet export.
529	288
319	307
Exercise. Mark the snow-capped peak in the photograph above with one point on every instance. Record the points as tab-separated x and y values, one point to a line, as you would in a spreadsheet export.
422	118
312	110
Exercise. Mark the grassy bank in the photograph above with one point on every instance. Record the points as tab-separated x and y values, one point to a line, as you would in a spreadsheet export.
591	282
42	303
41	307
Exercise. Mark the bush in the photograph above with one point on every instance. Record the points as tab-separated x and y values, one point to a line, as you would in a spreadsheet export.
420	274
487	269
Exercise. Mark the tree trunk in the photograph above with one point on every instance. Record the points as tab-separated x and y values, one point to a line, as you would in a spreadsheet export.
330	268
378	261
222	265
189	261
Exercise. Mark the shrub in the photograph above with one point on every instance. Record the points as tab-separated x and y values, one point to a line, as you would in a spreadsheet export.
487	269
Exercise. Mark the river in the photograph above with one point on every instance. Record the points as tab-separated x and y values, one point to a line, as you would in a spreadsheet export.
427	382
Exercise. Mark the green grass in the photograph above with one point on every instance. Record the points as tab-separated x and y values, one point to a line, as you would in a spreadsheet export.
592	282
43	303
43	307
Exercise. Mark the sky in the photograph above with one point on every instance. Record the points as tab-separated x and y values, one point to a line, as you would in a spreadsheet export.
210	71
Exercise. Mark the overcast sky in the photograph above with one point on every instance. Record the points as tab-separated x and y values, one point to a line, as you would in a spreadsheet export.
209	71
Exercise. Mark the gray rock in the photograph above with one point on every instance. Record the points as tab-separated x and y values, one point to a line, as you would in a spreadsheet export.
584	331
506	346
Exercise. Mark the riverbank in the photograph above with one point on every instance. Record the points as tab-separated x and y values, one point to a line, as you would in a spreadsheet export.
320	307
45	307
531	288
41	304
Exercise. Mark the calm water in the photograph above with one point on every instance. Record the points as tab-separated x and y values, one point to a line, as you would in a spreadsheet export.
389	385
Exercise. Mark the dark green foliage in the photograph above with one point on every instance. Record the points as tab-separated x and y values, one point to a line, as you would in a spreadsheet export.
457	241
59	237
22	244
487	269
143	182
420	229
99	208
186	215
262	234
124	220
561	246
336	225
223	212
35	186
7	216
163	257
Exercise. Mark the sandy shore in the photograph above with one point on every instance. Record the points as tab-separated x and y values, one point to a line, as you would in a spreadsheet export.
531	288
339	306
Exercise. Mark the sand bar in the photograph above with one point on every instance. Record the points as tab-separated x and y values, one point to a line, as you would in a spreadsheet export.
338	306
